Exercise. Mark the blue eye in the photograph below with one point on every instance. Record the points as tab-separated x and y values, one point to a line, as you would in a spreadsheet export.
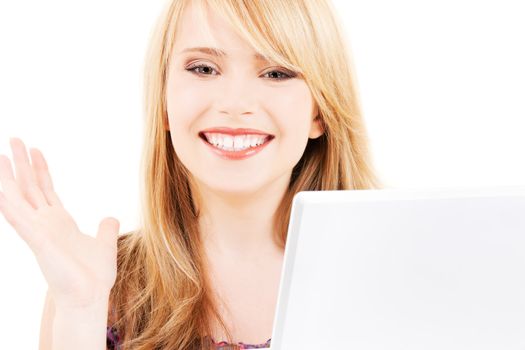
208	69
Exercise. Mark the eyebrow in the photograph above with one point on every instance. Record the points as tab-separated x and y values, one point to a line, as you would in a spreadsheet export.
217	52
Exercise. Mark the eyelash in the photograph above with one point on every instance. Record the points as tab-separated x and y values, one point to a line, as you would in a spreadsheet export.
193	67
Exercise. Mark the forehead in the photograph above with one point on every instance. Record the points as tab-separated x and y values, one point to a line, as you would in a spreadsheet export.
209	33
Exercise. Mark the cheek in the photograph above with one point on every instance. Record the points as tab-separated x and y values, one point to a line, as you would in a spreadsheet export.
292	110
184	102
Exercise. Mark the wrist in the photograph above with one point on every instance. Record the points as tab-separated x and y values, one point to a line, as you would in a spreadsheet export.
97	300
85	314
80	327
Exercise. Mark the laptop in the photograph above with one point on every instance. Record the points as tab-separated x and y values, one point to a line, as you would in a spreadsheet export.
404	269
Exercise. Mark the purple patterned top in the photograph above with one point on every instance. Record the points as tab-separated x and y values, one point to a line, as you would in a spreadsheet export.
112	342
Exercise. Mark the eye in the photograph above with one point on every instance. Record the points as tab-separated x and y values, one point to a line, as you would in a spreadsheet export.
281	75
277	74
192	68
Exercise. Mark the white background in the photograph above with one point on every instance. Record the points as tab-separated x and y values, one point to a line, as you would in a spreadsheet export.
442	86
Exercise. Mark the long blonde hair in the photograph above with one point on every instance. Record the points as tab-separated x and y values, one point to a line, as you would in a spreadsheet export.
161	297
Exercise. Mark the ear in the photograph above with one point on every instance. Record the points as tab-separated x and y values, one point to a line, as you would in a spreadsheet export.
316	129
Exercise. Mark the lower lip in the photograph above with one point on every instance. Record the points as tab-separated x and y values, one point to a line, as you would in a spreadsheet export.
237	155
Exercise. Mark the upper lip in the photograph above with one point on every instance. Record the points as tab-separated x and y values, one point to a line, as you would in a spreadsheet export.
230	131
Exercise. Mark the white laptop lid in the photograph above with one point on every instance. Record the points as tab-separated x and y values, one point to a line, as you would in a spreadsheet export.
404	270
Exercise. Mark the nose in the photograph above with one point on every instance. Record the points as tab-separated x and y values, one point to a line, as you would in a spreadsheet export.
237	95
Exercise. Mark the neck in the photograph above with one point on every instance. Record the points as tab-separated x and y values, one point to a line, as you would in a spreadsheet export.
241	225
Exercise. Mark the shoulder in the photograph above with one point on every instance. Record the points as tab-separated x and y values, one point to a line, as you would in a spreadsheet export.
128	244
112	338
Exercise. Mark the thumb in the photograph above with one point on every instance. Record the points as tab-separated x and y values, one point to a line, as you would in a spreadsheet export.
108	231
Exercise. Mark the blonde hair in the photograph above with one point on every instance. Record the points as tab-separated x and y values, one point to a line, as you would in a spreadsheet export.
161	297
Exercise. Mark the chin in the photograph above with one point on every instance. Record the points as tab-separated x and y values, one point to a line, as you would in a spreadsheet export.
233	187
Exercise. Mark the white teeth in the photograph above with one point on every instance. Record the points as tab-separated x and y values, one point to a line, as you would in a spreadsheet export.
246	142
227	142
238	142
234	143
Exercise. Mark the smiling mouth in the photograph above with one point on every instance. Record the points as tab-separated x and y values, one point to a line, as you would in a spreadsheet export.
238	143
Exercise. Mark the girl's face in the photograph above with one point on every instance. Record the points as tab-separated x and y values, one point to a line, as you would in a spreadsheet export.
237	90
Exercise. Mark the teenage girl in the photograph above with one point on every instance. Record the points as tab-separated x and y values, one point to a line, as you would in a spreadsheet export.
246	104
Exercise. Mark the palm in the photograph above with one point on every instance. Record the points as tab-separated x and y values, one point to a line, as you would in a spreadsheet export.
79	269
76	266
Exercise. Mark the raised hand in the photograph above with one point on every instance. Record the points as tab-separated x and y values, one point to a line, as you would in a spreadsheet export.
79	269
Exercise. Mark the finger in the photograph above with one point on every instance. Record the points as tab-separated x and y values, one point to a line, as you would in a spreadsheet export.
43	177
21	226
3	204
108	231
7	211
13	197
25	176
4	209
